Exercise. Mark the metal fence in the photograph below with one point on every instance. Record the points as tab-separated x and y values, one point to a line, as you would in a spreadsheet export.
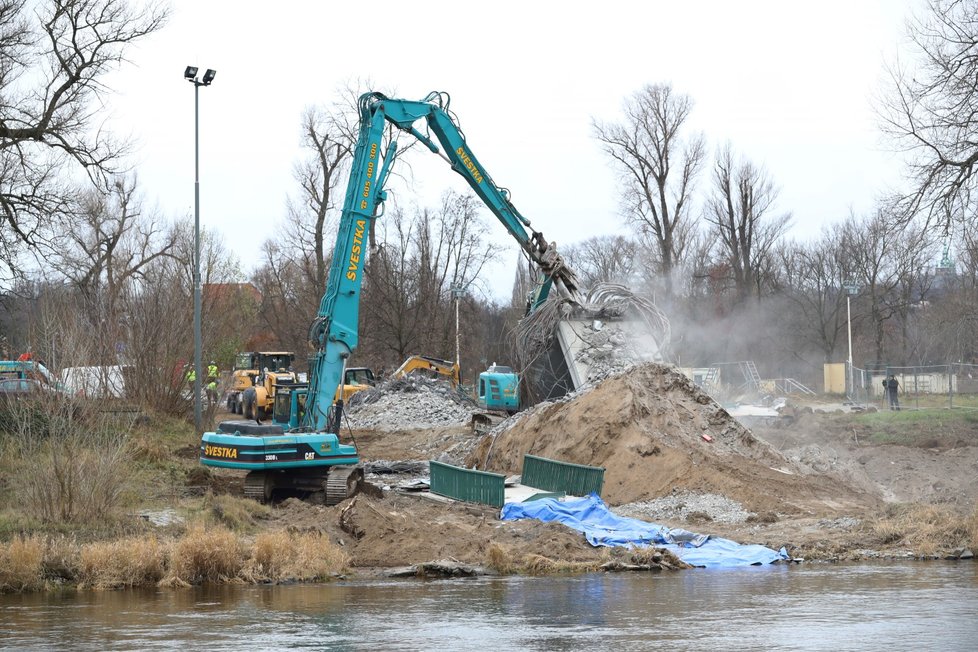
467	484
553	475
927	386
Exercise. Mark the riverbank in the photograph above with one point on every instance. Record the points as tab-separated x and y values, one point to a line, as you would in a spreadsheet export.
825	485
240	542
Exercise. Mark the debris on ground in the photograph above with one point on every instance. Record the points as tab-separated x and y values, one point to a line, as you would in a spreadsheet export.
440	568
409	402
687	506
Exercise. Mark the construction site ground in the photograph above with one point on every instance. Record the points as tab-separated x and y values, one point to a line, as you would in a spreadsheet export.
823	481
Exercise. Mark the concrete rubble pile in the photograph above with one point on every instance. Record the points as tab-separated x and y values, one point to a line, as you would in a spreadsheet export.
606	350
687	505
409	403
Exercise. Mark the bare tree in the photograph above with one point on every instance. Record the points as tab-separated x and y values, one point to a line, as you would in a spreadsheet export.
160	318
931	110
296	259
524	285
885	261
325	135
812	277
407	302
392	322
607	258
660	168
288	300
106	254
54	56
740	211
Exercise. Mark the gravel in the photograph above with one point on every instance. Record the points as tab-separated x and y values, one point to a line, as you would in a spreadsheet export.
681	504
407	404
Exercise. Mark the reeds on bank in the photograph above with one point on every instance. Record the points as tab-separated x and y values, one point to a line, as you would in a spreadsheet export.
201	555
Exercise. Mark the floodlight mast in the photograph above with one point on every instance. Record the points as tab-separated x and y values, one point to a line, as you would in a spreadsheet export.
190	74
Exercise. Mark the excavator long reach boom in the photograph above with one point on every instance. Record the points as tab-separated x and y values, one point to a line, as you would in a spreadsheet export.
334	333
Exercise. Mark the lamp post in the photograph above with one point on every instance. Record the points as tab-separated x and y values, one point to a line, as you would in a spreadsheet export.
190	74
850	288
458	291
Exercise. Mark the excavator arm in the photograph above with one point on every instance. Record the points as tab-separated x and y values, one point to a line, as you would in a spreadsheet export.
334	333
434	111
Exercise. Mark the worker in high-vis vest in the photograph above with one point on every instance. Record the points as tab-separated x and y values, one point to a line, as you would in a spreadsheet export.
212	391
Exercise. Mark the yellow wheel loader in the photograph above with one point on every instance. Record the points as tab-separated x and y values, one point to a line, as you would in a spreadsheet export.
256	378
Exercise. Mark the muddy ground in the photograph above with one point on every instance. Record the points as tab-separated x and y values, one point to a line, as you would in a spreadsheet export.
819	484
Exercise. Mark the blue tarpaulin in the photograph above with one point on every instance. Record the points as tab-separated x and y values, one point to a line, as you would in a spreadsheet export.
603	528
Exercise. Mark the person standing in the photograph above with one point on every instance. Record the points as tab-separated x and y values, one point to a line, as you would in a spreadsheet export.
211	391
892	386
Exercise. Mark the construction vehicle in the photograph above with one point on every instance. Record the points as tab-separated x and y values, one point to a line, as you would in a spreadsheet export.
264	372
355	380
497	396
434	367
28	378
301	451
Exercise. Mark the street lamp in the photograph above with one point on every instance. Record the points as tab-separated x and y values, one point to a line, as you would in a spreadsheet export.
458	291
850	288
190	74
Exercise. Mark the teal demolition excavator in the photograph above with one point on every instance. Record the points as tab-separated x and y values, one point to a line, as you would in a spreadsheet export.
300	450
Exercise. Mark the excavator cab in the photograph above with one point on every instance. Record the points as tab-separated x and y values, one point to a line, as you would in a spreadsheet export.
356	380
290	406
497	389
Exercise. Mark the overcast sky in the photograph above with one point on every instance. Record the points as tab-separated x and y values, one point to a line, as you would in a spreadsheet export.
791	85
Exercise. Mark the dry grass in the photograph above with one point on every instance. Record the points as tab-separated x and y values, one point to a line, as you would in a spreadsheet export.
61	558
21	564
147	448
237	514
971	526
533	564
927	530
70	466
499	559
205	555
122	563
538	564
502	561
282	555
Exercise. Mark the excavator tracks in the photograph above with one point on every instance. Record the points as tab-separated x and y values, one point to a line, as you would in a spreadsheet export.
332	487
258	486
342	483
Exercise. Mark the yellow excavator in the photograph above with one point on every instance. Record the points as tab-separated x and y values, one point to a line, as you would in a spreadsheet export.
433	367
356	380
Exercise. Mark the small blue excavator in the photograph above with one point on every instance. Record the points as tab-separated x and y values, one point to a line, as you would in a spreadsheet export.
300	452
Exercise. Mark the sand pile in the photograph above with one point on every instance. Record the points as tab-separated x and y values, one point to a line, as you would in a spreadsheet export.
402	530
654	432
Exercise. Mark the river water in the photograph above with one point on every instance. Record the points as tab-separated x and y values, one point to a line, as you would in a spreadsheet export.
878	606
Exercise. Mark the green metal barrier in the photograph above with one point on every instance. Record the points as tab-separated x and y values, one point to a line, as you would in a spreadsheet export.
573	479
467	484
